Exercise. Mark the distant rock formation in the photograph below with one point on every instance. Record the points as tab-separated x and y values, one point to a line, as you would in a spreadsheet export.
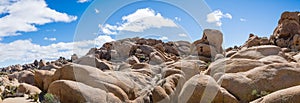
287	33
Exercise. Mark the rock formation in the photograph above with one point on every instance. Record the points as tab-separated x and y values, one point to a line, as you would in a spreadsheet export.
140	70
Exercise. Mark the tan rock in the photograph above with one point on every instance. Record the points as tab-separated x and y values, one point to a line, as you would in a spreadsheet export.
159	95
132	60
43	78
267	78
74	57
138	82
155	59
94	62
295	44
230	53
257	52
169	71
211	37
93	77
209	45
232	66
286	33
76	92
28	89
274	59
189	67
171	49
183	47
297	57
140	66
203	88
42	63
23	77
289	95
122	49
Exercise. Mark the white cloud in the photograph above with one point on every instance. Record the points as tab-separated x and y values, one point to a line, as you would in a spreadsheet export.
163	38
83	1
242	19
97	11
140	20
25	15
216	16
50	39
26	51
177	18
103	39
182	35
51	30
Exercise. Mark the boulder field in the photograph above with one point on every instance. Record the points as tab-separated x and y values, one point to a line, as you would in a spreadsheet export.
140	70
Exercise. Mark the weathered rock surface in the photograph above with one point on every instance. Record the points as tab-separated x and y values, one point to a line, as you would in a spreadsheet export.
209	45
76	92
289	95
267	78
145	70
43	78
94	62
28	89
227	65
23	77
286	34
203	88
257	52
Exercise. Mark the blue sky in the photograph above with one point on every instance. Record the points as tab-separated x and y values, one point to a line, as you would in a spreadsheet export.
38	29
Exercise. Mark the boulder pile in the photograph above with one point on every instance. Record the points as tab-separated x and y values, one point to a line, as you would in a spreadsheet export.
140	70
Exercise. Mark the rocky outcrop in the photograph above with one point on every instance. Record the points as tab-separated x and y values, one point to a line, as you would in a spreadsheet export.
267	78
203	88
254	40
222	66
76	92
43	78
209	45
28	89
286	34
288	95
23	77
257	52
140	70
94	62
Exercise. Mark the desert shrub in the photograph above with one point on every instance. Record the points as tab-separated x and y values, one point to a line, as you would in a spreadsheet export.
35	97
259	94
3	73
49	98
10	91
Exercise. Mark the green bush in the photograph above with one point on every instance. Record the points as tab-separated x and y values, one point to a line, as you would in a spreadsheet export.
259	94
49	98
35	97
3	73
9	91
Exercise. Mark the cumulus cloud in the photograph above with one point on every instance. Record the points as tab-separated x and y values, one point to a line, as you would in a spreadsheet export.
97	11
25	50
177	18
182	35
242	19
140	20
51	30
216	16
163	38
83	1
50	39
25	15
